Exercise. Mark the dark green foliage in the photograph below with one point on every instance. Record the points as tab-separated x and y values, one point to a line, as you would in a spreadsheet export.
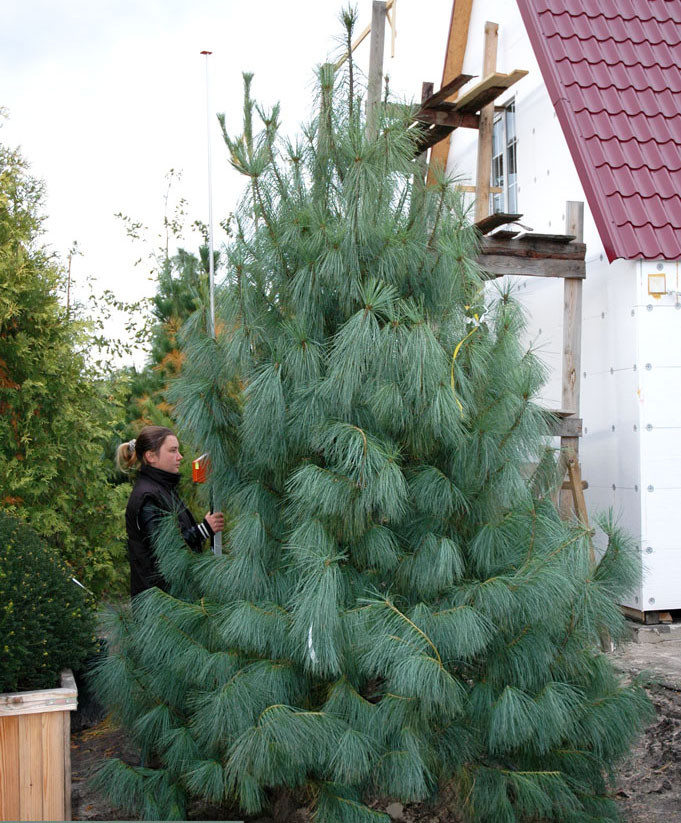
398	608
46	620
56	411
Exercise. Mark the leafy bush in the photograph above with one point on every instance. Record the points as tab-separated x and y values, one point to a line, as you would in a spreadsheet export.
57	411
46	620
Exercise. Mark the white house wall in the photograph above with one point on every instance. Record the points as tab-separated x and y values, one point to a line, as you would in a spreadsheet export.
631	448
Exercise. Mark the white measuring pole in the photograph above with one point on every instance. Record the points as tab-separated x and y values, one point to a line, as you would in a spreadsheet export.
211	263
217	539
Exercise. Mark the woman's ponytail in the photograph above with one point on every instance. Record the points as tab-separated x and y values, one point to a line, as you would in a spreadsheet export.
126	456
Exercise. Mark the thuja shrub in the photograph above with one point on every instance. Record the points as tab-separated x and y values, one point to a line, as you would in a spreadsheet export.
46	620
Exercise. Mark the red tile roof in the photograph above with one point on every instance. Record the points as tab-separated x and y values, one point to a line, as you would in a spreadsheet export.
611	68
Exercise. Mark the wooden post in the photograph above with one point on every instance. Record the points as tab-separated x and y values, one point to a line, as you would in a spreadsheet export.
484	166
421	161
377	44
420	169
572	351
456	50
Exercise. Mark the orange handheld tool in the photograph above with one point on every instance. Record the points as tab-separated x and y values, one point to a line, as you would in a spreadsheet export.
200	468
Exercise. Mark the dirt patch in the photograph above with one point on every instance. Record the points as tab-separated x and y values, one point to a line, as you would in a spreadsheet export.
649	783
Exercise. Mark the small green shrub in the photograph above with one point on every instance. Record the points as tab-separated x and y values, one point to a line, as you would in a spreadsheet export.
46	620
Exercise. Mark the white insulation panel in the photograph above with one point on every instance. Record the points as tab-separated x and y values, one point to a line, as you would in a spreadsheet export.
659	320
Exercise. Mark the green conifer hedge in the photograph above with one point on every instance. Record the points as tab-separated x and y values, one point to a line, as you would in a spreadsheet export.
46	620
398	608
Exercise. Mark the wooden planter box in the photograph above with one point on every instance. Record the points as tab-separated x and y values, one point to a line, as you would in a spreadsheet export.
35	752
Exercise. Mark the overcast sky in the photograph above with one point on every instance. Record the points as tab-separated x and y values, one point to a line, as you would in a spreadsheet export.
106	96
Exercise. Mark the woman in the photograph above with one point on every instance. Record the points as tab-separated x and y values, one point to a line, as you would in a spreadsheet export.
157	451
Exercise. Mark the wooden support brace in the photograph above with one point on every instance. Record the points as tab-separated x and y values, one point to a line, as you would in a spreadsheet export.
377	47
484	164
457	40
362	37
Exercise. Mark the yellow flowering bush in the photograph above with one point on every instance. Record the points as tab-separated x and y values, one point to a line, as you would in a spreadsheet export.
46	620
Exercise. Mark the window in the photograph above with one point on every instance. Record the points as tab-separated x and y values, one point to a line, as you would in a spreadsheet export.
504	161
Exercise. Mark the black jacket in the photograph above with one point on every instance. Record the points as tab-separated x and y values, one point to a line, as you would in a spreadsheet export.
154	493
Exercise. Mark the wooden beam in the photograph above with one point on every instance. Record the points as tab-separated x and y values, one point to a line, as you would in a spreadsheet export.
572	347
446	91
539	249
566	427
431	137
493	221
362	37
488	89
421	160
484	163
500	265
457	40
443	118
377	47
633	614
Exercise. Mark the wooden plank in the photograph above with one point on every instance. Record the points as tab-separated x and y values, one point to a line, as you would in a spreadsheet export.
40	700
532	236
457	40
375	83
30	768
484	161
538	249
633	614
567	427
504	234
68	681
572	348
361	37
9	768
430	138
66	754
52	728
452	119
499	265
491	80
566	485
421	161
446	91
493	221
484	99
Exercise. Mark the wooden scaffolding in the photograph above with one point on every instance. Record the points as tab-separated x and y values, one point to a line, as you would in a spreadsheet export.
503	251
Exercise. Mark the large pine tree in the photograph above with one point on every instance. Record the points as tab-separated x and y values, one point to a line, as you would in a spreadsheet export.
398	608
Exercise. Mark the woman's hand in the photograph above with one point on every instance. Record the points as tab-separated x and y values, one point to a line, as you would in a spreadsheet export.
216	520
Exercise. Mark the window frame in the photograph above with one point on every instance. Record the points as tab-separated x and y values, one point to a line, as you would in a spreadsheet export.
502	125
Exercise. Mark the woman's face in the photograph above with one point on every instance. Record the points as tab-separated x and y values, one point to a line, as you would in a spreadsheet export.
168	457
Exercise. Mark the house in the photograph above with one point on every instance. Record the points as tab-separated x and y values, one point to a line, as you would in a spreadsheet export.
598	119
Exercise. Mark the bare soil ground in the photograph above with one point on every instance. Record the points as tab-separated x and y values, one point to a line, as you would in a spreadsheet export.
647	786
